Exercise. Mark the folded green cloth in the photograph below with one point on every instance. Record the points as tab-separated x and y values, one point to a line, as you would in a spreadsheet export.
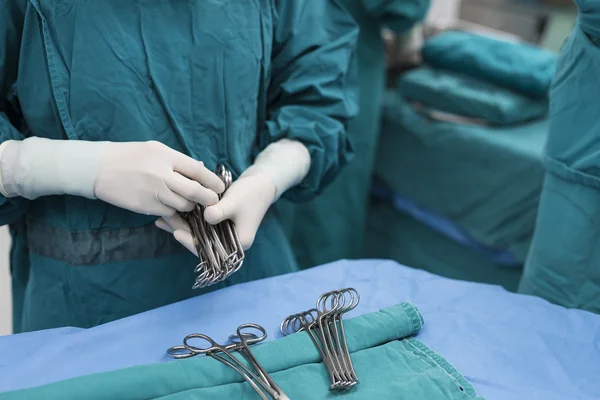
517	66
388	363
466	96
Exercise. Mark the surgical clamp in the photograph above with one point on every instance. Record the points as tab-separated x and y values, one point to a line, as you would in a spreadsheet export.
239	342
325	328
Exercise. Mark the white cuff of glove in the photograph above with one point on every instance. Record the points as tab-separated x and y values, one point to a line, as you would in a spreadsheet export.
38	167
286	162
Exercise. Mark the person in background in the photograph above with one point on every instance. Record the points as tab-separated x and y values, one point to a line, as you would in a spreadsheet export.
332	226
115	113
563	265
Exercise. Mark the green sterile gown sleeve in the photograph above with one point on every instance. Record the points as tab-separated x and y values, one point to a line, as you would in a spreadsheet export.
217	80
313	87
564	259
332	226
12	210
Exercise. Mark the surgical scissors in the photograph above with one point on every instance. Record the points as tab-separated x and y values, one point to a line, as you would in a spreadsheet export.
239	342
326	329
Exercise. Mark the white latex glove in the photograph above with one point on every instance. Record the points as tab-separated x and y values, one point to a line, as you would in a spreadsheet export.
151	178
144	177
280	166
245	203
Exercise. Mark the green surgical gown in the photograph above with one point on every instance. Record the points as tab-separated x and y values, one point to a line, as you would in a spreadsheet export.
563	264
332	226
218	80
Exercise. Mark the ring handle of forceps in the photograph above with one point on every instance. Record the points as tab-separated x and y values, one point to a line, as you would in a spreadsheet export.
187	351
248	338
180	352
213	346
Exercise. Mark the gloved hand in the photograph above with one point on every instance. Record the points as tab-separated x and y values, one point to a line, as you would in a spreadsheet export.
281	165
144	177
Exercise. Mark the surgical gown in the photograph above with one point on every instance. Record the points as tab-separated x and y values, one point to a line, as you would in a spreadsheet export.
332	226
563	265
218	80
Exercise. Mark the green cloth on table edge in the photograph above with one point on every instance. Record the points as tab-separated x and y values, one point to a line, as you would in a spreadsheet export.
392	234
388	362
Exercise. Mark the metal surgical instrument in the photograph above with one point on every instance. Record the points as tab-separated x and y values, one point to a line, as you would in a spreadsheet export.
239	342
325	327
219	249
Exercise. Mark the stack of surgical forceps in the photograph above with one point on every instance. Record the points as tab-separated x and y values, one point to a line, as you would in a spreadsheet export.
219	248
324	326
259	379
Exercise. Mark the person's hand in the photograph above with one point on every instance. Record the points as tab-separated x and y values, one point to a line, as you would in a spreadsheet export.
151	178
245	203
277	168
144	177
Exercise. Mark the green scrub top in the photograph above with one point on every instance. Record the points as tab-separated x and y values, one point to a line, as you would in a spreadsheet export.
563	264
218	80
332	226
